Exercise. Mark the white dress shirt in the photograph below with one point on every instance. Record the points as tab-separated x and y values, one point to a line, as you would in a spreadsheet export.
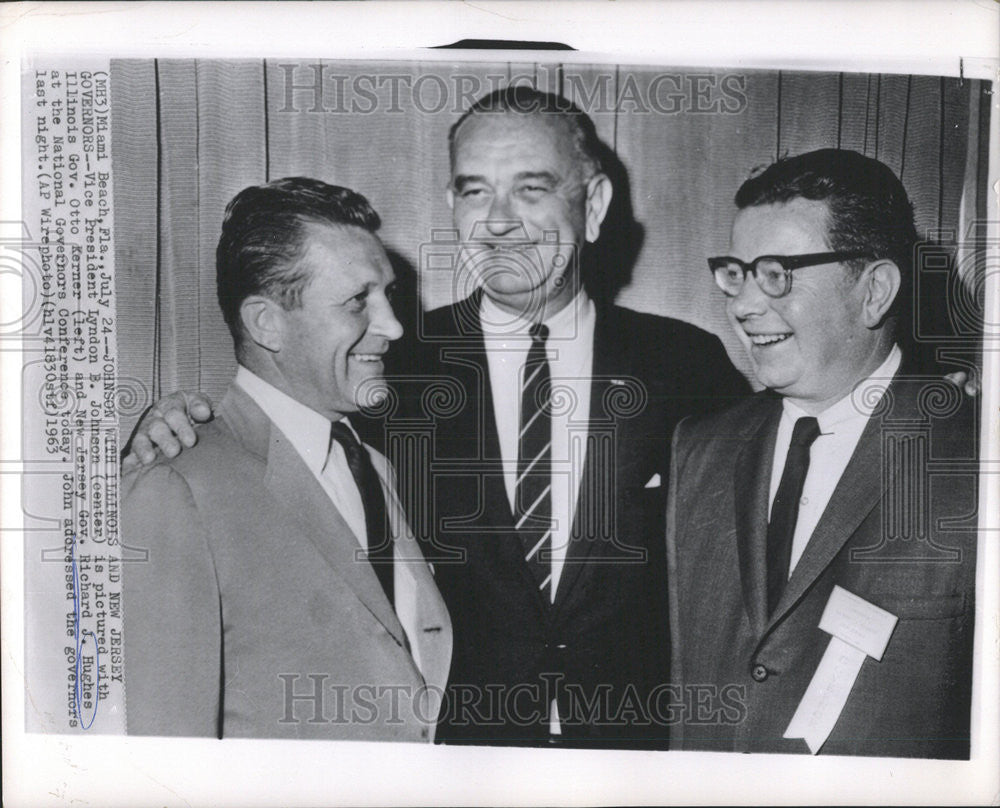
840	428
570	349
309	434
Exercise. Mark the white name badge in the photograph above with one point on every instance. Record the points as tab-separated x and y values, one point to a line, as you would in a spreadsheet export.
860	629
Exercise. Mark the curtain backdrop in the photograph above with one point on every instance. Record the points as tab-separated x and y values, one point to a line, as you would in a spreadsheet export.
188	134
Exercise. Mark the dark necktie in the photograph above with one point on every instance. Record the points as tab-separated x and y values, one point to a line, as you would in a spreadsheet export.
533	489
370	487
785	509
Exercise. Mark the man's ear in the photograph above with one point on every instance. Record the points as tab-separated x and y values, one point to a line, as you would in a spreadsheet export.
449	196
263	321
599	193
881	281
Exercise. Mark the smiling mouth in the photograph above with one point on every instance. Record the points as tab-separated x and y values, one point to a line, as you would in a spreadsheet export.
362	357
764	340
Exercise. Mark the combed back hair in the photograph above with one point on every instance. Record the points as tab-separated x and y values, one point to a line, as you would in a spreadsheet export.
525	100
263	238
868	206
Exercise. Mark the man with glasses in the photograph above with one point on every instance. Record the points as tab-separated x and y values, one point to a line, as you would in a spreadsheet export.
821	535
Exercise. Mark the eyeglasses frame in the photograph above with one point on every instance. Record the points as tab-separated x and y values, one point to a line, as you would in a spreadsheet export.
789	263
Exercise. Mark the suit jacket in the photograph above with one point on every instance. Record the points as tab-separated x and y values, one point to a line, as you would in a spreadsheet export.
602	647
255	615
899	531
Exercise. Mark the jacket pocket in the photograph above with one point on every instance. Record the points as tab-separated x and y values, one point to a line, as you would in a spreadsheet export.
920	607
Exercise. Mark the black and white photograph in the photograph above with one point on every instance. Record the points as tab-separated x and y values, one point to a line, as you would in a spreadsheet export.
498	418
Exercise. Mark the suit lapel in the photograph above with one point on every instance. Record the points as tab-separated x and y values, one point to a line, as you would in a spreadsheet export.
288	478
292	482
751	486
432	638
859	490
612	438
596	477
471	364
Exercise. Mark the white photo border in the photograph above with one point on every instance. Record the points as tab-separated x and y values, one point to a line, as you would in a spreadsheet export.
940	38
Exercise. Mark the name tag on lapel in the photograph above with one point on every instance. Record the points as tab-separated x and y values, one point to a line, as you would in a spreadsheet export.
859	629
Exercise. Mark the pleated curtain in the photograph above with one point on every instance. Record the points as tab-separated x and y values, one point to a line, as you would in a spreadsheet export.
188	134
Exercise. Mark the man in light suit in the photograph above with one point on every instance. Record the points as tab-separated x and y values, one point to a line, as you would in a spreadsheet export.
283	595
831	517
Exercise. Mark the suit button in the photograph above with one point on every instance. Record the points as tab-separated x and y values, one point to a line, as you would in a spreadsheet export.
759	672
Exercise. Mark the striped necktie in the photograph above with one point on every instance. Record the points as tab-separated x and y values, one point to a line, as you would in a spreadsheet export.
533	489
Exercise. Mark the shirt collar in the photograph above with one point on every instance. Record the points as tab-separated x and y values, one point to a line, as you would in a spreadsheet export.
306	429
859	403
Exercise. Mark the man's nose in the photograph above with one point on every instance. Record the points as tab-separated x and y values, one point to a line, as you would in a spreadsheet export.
384	323
750	301
500	219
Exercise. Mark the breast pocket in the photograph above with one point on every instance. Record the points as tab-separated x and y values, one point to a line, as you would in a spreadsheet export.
919	607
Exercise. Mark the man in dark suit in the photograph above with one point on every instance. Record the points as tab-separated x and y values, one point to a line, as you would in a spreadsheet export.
283	595
547	547
822	535
534	461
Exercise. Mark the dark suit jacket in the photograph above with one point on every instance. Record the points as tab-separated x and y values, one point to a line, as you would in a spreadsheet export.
253	600
899	531
602	647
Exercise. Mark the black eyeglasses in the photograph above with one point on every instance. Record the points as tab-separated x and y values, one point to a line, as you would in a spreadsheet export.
773	273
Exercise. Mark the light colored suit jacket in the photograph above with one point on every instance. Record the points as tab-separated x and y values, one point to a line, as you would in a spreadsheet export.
899	531
256	613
